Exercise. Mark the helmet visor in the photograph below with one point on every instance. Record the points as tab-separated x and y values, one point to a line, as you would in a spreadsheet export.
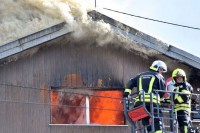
163	68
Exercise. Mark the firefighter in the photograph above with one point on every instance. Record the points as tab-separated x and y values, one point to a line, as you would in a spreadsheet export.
182	102
148	82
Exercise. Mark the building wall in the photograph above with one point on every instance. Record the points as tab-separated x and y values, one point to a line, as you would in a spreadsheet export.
25	101
25	83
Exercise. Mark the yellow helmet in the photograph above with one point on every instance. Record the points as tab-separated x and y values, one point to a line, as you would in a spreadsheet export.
179	73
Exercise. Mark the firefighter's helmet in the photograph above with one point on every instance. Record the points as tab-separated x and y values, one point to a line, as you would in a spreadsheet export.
179	73
158	64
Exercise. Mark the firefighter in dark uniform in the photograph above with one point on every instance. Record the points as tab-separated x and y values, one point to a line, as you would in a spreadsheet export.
182	102
149	82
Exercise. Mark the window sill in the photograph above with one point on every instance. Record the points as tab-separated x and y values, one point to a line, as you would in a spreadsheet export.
89	125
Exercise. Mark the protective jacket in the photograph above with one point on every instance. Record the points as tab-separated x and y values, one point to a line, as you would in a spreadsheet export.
183	106
148	82
183	101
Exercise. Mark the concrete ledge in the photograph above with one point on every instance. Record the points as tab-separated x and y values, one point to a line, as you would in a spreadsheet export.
90	125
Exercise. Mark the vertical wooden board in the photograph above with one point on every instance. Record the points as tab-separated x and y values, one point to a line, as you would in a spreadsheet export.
76	129
50	66
27	68
114	130
121	67
100	67
133	65
117	67
56	81
16	120
109	64
33	95
57	58
3	118
47	66
127	67
35	70
2	96
89	63
89	129
28	118
86	66
2	92
79	64
38	118
28	72
2	73
17	94
143	64
13	117
13	69
41	68
58	63
95	63
83	67
60	129
71	63
73	67
113	65
65	60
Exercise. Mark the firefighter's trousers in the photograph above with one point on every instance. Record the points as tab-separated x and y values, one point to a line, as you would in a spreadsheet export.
184	121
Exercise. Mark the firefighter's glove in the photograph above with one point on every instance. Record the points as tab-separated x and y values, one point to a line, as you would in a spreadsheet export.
126	94
165	100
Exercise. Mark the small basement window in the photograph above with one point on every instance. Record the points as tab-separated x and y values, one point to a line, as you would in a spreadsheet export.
98	108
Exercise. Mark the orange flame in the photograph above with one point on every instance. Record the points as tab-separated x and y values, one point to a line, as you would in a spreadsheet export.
67	108
113	114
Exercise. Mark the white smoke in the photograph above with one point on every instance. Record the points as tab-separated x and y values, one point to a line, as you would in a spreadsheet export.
19	18
23	17
74	12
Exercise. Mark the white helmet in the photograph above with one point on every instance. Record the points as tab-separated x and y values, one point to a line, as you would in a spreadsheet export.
158	64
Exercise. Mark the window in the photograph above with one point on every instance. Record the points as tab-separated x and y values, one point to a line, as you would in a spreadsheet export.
99	107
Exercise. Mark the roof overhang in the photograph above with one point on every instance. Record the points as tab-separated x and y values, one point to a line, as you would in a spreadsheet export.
149	41
33	40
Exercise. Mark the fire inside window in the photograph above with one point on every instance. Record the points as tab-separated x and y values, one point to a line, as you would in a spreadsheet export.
101	108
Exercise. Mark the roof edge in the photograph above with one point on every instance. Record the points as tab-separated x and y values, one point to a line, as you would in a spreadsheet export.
33	40
149	41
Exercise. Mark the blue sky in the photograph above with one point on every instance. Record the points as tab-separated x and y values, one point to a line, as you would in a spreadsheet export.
183	12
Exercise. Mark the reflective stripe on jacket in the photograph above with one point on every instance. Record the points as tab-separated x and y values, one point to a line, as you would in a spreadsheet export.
183	101
148	82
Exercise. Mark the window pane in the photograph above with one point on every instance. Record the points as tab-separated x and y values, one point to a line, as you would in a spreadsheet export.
67	108
106	110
